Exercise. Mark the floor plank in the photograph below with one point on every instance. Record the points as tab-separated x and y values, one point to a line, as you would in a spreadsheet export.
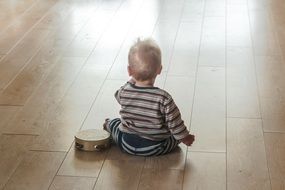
209	110
215	9
37	38
95	24
6	113
238	32
270	76
205	171
263	34
164	179
173	161
69	115
17	58
213	45
119	175
72	183
186	50
242	92
34	117
193	11
105	105
21	88
171	10
185	53
12	12
24	84
36	171
84	164
270	72
165	34
273	113
246	159
14	33
115	153
13	148
275	149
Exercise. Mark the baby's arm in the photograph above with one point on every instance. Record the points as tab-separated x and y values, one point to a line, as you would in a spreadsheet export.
118	93
176	124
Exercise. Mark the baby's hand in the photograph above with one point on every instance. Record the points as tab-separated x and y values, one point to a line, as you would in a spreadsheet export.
188	140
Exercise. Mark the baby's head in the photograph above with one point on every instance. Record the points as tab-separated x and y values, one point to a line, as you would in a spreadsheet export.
144	60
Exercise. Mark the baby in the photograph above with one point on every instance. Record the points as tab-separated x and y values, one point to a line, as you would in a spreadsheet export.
150	122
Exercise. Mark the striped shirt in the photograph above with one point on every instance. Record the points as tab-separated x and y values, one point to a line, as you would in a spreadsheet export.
149	112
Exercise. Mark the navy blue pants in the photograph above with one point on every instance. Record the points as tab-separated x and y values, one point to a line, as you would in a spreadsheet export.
136	145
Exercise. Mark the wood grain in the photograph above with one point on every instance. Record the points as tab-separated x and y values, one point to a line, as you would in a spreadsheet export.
12	64
80	163
172	161
115	153
39	66
35	116
246	159
212	47
119	175
68	115
21	88
270	76
209	110
205	171
164	179
36	171
238	26
105	105
242	94
275	151
22	26
6	113
72	183
13	149
185	53
13	11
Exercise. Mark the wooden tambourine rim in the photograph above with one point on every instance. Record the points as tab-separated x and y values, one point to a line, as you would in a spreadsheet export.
92	140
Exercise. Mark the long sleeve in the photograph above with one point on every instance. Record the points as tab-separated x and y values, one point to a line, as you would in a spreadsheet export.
118	93
173	120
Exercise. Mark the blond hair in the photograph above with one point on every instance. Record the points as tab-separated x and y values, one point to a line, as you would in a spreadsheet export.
144	59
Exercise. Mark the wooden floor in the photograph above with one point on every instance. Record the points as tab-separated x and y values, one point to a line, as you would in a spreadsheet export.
62	60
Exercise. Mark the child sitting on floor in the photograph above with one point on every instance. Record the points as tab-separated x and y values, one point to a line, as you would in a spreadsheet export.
150	122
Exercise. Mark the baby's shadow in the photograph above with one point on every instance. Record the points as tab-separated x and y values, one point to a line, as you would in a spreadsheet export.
173	160
125	170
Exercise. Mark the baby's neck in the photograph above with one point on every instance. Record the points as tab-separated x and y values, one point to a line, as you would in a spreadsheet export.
144	83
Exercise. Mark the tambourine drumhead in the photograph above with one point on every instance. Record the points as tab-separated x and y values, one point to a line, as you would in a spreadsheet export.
92	139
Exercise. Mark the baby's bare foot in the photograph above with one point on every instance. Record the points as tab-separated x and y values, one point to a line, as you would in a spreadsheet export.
105	124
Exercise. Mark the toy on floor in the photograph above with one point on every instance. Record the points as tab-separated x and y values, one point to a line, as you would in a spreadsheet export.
92	140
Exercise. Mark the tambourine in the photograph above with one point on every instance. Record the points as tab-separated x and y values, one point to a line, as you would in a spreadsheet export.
92	140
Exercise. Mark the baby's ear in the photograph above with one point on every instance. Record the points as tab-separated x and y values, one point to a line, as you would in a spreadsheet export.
129	71
159	70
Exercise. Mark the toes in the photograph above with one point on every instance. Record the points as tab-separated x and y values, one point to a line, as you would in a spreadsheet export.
105	124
